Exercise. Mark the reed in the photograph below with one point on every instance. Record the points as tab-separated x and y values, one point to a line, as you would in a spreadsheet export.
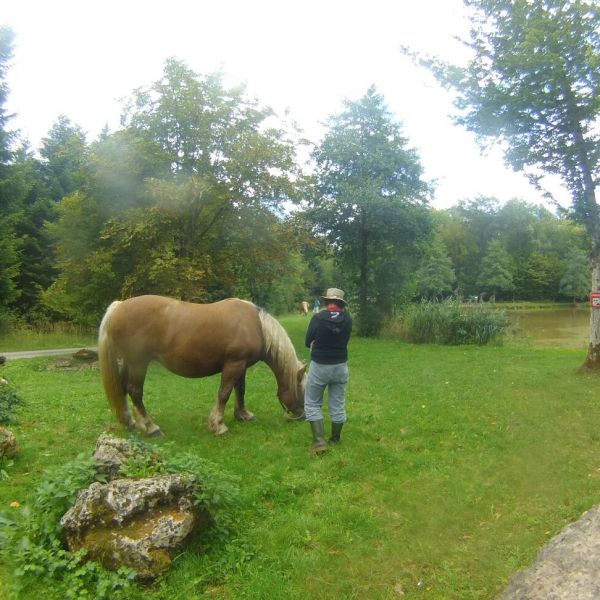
449	322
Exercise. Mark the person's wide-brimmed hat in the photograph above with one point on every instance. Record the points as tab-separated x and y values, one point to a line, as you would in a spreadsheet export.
335	294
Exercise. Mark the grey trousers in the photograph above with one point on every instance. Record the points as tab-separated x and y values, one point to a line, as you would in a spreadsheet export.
332	377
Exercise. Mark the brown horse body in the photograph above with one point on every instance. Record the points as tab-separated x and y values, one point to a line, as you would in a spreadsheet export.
193	340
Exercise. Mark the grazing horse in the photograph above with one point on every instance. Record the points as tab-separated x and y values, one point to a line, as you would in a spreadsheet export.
194	340
304	307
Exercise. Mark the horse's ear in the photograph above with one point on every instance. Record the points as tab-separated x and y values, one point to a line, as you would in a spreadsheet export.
301	372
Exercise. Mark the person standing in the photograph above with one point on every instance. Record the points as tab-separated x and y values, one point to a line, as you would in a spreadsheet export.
327	337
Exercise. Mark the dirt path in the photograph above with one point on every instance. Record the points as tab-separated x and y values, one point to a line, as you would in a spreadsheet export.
36	353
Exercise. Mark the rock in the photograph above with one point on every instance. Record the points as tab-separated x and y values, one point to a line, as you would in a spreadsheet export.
112	452
8	443
566	568
136	523
86	355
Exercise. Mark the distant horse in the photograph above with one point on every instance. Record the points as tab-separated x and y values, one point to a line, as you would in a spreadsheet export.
304	307
194	340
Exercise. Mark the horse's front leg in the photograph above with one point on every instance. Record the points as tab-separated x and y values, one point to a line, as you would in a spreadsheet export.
241	412
229	375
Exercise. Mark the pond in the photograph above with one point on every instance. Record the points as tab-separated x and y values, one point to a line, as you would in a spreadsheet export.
565	327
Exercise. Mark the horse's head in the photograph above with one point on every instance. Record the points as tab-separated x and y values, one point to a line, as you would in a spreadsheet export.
292	396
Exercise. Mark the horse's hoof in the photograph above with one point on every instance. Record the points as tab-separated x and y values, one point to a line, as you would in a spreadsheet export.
156	433
245	416
222	429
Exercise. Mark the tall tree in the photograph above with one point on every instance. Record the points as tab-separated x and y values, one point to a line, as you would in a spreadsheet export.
371	202
533	83
10	206
435	276
495	275
64	152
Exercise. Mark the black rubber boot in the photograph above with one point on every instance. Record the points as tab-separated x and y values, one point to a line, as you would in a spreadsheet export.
336	430
318	432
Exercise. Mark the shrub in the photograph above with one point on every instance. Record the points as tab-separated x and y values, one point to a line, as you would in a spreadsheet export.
8	321
449	322
9	401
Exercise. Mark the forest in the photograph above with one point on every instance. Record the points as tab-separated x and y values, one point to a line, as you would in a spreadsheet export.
204	193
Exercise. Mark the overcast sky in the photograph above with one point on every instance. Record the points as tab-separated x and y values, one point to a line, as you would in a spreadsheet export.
80	58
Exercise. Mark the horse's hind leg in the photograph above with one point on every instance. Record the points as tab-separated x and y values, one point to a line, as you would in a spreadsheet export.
135	388
121	407
241	412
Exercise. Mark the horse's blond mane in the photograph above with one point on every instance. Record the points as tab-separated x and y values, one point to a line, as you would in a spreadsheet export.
279	349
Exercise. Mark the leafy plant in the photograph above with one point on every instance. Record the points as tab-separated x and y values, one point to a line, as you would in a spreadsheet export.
9	401
145	462
32	543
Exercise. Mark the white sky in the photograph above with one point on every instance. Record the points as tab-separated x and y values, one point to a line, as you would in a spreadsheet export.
81	57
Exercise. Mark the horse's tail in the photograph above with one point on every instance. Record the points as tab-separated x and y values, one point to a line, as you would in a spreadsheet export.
109	368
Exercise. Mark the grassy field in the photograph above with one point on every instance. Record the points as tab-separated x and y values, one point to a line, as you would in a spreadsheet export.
456	465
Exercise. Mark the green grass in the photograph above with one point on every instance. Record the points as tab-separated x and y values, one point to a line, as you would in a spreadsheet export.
54	336
456	465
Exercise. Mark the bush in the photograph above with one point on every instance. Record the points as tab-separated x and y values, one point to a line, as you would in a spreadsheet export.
450	323
8	321
9	402
369	322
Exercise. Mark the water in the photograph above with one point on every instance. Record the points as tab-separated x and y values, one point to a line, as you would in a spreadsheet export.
566	328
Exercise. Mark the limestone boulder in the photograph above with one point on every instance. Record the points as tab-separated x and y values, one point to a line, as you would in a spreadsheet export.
139	523
112	453
8	443
566	568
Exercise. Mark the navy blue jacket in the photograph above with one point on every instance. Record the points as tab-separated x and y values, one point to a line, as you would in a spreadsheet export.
329	332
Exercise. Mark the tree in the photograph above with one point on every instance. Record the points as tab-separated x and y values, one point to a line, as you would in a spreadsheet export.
538	276
10	206
371	203
185	201
64	152
575	281
495	275
465	230
533	84
435	276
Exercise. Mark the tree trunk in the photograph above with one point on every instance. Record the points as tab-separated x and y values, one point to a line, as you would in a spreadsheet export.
593	357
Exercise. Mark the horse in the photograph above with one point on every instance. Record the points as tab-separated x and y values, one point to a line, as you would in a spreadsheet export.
304	307
194	340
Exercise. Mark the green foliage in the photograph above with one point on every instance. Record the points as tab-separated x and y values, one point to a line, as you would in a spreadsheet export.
532	82
575	281
216	491
539	276
496	275
435	276
9	403
33	545
371	202
449	322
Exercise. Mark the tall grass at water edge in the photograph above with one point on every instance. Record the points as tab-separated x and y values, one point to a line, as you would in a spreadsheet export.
457	463
450	322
